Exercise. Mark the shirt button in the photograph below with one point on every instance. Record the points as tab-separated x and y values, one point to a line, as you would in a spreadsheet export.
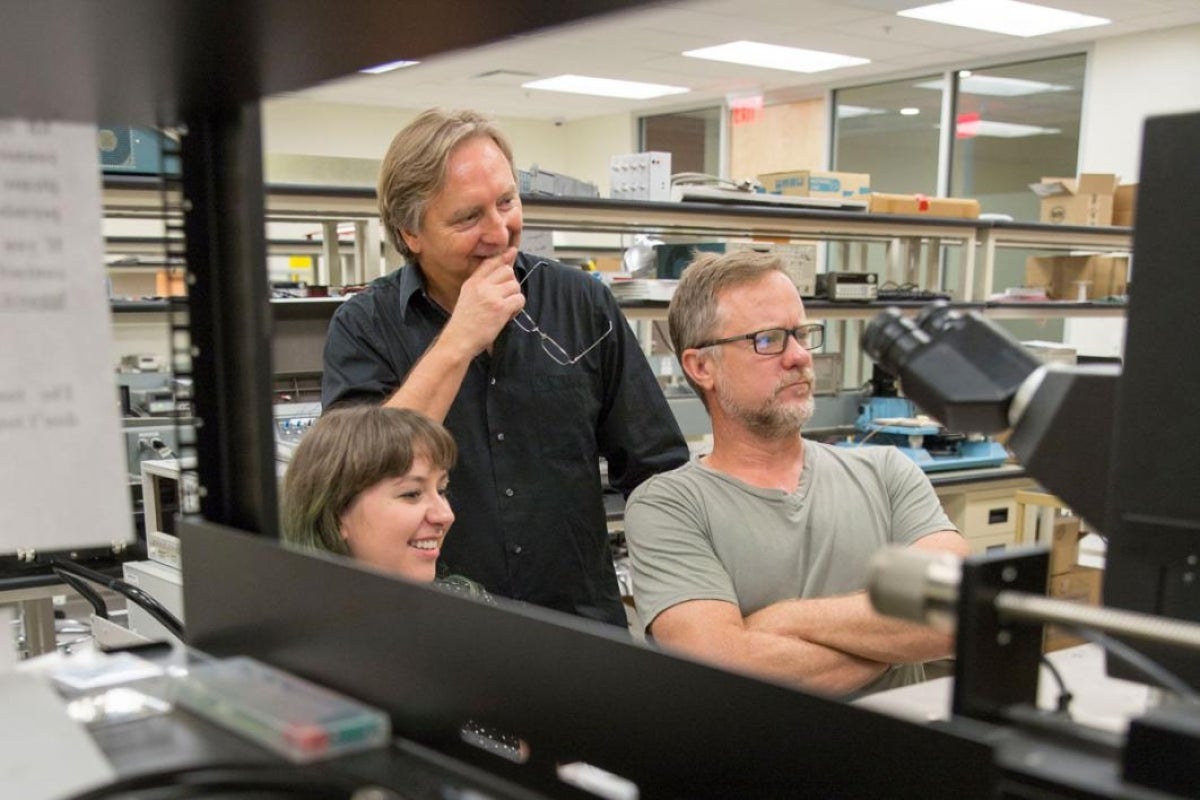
509	492
499	437
516	549
492	381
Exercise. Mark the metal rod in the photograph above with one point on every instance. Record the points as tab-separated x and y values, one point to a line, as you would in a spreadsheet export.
1035	608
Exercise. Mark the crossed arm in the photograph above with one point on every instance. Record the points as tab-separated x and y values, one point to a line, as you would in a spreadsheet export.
832	645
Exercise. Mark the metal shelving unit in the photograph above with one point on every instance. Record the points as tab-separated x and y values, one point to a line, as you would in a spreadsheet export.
1022	235
917	250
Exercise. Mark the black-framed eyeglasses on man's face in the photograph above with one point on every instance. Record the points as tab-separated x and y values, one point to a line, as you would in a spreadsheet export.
773	341
552	348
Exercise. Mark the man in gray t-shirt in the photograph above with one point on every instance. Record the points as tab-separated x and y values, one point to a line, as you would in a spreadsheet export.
755	556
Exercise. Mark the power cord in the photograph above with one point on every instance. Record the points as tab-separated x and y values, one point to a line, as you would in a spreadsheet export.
132	593
99	607
1140	662
702	178
1063	705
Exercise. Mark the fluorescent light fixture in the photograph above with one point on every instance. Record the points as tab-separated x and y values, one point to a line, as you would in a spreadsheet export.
847	112
1003	16
1000	130
773	56
909	111
995	86
379	69
604	87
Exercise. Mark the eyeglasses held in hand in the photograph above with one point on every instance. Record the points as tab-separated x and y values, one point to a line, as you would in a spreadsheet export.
773	341
551	347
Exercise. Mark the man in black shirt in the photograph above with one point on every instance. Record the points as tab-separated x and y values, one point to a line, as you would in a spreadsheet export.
529	363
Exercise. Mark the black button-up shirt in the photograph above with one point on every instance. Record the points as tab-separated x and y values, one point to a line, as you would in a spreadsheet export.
526	492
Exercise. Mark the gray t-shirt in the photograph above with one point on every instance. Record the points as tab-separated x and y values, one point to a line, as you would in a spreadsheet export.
698	534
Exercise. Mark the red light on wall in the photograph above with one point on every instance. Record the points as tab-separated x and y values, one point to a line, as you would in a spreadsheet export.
967	126
745	110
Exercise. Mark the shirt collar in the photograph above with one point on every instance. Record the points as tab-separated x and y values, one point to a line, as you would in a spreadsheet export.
412	280
524	263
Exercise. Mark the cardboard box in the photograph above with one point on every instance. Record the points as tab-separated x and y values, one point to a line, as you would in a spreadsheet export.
1125	205
608	263
812	183
1077	585
1080	585
920	205
170	282
1086	200
1064	545
1059	275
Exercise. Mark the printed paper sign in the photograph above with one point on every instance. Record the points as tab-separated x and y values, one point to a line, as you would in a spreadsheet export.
62	470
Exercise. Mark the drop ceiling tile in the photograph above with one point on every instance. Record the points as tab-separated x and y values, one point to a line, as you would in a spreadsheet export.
644	44
810	13
919	32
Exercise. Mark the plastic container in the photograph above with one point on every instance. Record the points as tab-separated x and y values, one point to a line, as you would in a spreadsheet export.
291	716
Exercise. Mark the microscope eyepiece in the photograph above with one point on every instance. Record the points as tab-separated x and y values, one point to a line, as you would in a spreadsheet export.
937	317
891	338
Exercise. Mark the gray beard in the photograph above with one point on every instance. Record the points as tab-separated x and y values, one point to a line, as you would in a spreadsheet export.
770	420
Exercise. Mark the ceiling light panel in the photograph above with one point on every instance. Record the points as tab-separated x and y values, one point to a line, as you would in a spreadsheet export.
969	129
604	87
1010	17
996	86
849	112
773	56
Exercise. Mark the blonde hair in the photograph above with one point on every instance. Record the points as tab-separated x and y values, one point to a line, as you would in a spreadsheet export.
414	167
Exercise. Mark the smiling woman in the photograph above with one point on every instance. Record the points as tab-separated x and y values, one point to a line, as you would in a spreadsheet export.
370	482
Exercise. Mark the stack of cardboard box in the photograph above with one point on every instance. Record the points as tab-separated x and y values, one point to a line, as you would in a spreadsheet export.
1068	580
1091	277
1125	205
1092	199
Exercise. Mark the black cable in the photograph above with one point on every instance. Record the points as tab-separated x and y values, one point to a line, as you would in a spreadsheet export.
150	605
1064	696
132	593
204	781
99	607
1140	662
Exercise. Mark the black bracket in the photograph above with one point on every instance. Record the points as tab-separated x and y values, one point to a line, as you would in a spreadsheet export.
997	663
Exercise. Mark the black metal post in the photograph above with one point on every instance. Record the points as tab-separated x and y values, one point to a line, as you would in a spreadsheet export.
230	317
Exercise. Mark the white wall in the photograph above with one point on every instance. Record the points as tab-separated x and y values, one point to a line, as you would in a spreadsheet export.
1128	79
299	127
305	141
592	142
